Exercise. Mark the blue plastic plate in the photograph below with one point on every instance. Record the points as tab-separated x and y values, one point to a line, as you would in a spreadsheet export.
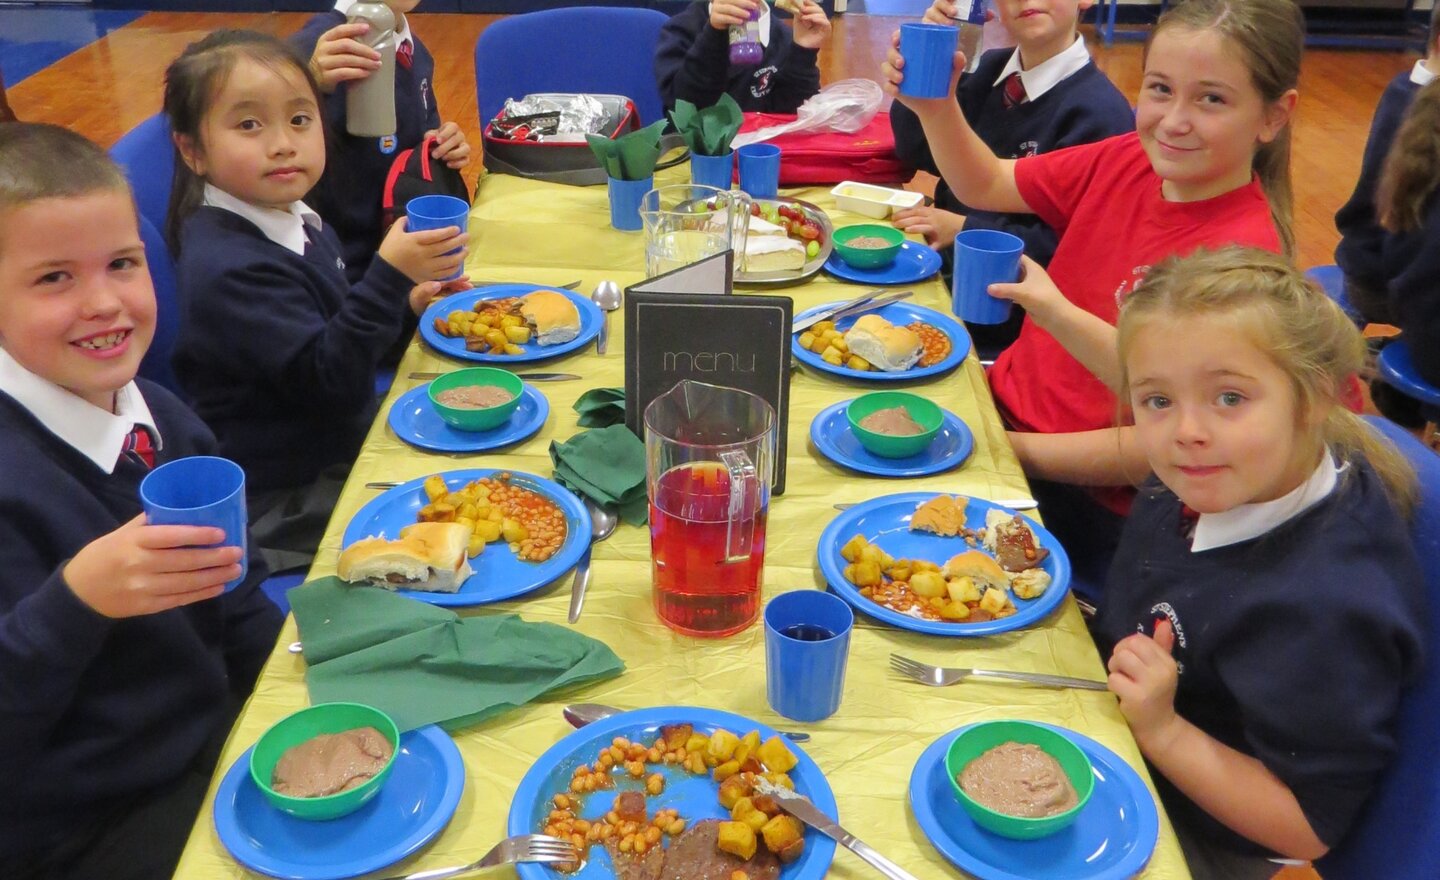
498	573
900	313
914	262
886	521
591	319
831	434
413	805
694	796
1112	838
415	421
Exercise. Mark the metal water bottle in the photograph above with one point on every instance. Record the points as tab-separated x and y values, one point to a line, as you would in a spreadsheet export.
370	102
970	16
745	48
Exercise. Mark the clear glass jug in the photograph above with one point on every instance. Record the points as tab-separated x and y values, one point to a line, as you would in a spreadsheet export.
686	222
709	465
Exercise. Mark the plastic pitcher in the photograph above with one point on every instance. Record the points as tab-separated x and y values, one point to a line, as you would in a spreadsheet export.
685	223
709	466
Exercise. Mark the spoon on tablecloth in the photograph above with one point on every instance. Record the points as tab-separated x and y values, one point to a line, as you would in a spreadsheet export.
608	297
602	523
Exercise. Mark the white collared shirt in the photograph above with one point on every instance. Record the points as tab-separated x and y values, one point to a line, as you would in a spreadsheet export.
96	434
285	228
1049	73
763	21
1253	520
402	33
1421	75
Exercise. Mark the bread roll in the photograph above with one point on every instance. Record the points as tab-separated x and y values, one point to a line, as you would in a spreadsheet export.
979	567
885	346
427	556
551	315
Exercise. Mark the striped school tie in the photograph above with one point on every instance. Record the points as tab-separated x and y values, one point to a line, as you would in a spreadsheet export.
405	54
138	446
1013	90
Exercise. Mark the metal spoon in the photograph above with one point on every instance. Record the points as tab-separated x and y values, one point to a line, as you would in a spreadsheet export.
608	297
581	714
602	523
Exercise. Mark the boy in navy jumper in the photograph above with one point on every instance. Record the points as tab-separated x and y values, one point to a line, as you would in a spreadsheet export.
692	59
1362	241
349	193
122	662
1042	96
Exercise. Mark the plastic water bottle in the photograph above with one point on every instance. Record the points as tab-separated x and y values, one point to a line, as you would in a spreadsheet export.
970	16
745	48
370	102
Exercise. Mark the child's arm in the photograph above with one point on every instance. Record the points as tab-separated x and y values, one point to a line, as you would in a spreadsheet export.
696	68
1234	788
339	57
1087	337
1107	457
139	569
451	146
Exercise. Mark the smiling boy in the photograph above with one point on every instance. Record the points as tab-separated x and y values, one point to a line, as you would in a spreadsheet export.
122	662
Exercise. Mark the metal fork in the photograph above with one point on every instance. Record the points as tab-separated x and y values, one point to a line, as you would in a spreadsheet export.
939	676
521	848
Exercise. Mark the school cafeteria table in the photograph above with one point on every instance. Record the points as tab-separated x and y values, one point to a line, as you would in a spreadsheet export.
529	231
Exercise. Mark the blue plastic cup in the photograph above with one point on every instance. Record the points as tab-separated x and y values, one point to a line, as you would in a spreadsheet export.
759	170
984	257
713	171
200	491
625	196
438	212
929	53
807	640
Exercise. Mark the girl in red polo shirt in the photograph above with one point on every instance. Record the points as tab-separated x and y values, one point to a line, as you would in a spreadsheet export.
1209	164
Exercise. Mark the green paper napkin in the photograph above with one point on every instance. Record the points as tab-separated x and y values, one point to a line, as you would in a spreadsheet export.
606	465
601	407
709	131
426	665
630	156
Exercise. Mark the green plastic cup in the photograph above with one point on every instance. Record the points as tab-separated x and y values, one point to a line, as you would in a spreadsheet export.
926	413
986	735
868	258
307	724
478	419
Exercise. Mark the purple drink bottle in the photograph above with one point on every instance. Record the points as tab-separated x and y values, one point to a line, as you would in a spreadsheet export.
745	48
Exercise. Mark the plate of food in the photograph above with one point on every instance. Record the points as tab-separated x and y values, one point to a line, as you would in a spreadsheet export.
413	419
833	437
787	242
895	343
641	809
415	804
944	564
1112	838
914	262
466	537
510	323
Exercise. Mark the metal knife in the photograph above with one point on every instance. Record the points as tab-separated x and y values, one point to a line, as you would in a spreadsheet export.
801	808
872	305
1012	503
529	377
488	283
825	314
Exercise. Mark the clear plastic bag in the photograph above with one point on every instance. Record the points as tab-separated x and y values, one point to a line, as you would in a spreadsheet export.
846	106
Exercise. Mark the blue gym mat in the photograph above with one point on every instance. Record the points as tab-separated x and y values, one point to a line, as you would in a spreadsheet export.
33	38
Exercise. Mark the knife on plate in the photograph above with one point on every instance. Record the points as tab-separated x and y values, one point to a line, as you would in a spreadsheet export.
1012	503
825	314
801	808
872	305
529	377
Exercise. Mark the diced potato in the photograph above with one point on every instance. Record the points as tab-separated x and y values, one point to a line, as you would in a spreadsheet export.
495	337
454	499
476	545
512	349
468	510
495	515
863	574
856	362
994	601
443	327
748	744
736	838
435	488
832	355
775	756
821	327
676	734
698	742
518	335
722	744
953	610
781	779
963	589
489	530
467	522
513	531
745	811
840	343
511	321
923	565
457	316
900	571
938	602
735	788
872	553
766	804
792	852
780	832
927	584
851	551
443	512
726	770
807	339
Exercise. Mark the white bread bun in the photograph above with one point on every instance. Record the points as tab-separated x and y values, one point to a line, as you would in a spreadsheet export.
428	556
885	346
551	315
979	567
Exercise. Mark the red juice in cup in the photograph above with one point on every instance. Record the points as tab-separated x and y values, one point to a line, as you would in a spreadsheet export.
707	562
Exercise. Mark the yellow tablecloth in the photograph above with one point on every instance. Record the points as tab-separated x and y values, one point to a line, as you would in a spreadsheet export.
526	231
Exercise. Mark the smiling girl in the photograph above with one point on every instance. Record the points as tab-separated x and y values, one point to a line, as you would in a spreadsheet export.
1263	612
1208	165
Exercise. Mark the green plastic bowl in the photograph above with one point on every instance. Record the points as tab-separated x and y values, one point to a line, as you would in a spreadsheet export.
307	724
926	412
868	258
985	736
478	419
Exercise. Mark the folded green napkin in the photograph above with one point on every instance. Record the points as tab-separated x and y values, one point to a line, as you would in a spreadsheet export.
630	156
606	465
708	131
426	665
601	407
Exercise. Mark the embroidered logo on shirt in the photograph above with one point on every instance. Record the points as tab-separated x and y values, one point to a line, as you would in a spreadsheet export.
1165	611
425	93
1027	149
763	81
388	144
340	264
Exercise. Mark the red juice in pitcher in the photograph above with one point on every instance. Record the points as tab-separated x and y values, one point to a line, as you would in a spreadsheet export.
697	591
